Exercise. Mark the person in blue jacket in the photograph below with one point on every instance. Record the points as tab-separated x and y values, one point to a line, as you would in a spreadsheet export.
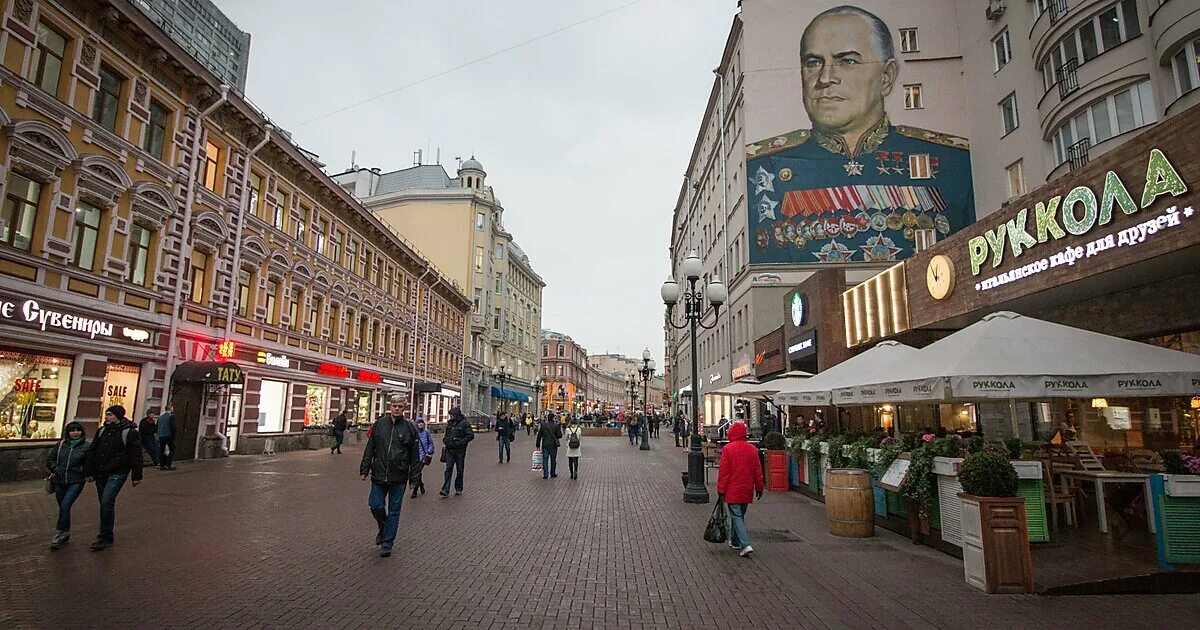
66	465
425	451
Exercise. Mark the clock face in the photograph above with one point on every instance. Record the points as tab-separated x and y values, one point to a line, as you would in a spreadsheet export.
939	277
797	309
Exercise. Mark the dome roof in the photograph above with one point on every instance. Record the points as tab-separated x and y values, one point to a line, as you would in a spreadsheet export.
471	165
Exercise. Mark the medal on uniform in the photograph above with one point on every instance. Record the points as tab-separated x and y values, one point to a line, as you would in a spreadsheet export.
853	167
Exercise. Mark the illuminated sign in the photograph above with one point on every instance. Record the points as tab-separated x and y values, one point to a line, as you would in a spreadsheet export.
135	334
333	369
228	374
226	349
1077	213
274	360
367	376
741	370
33	314
803	345
799	309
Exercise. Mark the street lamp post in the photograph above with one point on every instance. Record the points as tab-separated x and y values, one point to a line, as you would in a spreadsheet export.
694	311
647	373
537	385
501	373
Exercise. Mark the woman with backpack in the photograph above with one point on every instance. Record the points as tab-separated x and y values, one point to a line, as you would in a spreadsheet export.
574	432
66	464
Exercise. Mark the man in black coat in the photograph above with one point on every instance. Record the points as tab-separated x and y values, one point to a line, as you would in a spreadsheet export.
338	429
505	428
549	434
389	457
115	456
454	445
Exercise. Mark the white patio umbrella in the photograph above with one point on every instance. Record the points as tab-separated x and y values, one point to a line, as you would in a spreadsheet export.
887	357
1010	356
762	391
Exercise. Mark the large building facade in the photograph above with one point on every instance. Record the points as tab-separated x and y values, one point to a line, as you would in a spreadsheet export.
205	32
564	373
459	223
161	242
790	210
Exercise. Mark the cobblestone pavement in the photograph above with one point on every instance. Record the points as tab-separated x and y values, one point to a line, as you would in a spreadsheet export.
286	542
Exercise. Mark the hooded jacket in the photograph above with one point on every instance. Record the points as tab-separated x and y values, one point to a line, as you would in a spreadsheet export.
113	453
458	432
66	461
549	433
392	451
740	474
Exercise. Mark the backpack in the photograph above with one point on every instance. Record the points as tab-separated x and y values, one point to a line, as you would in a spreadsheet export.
573	442
124	434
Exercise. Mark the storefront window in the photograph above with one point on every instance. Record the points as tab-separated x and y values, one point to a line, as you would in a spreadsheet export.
33	396
316	405
120	387
364	407
271	404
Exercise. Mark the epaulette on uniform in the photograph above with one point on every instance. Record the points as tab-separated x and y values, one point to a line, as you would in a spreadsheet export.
935	137
778	143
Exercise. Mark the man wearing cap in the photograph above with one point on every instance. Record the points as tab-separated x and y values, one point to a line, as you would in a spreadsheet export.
390	455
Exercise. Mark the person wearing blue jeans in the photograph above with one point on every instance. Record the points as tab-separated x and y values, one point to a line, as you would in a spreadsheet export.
549	434
739	537
391	454
505	428
115	456
66	465
107	488
385	501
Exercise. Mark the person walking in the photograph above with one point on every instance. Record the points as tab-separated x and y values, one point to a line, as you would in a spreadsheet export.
115	456
679	429
574	450
66	465
426	451
528	424
548	436
632	428
504	435
739	483
454	445
391	452
166	437
340	424
148	434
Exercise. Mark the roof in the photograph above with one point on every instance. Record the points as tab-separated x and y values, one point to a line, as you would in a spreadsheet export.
422	177
471	164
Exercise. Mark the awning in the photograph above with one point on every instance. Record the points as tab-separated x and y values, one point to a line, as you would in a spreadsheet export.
885	356
216	372
428	388
509	394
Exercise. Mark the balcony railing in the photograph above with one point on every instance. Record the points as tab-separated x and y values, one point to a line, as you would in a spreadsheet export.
1057	10
1077	154
1068	78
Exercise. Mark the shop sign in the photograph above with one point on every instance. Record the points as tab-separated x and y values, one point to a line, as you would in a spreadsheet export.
274	360
768	353
228	374
742	370
226	349
31	313
333	369
803	345
1078	213
367	376
394	382
713	378
798	309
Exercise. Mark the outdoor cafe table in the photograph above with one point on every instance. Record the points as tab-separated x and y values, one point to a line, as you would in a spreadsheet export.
1101	477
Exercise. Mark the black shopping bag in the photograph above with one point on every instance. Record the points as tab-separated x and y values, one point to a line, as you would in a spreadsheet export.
718	524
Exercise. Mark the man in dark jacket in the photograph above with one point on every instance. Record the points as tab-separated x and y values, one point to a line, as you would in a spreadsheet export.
166	438
148	432
505	427
389	457
454	445
549	434
340	424
116	455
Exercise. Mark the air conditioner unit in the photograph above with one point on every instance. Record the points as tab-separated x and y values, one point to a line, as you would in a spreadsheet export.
995	9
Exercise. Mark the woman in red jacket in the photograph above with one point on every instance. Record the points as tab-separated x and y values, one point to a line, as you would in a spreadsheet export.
739	482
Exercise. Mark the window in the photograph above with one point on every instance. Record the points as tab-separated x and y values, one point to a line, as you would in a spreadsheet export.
335	246
1016	179
208	166
496	320
199	271
243	301
1118	24
279	216
87	230
314	314
139	254
1008	113
335	322
351	255
272	291
21	198
918	166
479	220
294	310
156	130
499	284
908	40
1002	47
45	63
1186	67
104	108
561	350
479	258
1115	114
478	299
912	96
302	223
254	204
545	350
322	230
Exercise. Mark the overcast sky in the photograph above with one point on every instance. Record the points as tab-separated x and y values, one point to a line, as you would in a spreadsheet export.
585	134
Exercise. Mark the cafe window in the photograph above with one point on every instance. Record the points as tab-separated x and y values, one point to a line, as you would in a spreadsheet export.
87	231
243	303
108	98
121	387
139	254
209	165
316	405
272	403
199	273
272	290
46	60
19	215
33	395
156	129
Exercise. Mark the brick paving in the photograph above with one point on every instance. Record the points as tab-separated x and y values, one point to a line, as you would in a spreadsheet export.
286	542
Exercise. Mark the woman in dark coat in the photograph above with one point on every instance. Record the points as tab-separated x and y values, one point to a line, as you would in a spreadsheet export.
66	465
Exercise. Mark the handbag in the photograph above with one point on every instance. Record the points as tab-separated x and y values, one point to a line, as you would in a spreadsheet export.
50	484
536	464
428	459
718	524
443	457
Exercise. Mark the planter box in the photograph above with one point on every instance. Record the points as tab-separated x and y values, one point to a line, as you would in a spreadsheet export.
947	466
814	475
1177	520
880	501
1034	493
600	432
995	542
951	506
777	471
793	472
1181	485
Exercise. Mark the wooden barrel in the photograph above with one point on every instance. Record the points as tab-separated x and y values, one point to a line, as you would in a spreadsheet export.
849	503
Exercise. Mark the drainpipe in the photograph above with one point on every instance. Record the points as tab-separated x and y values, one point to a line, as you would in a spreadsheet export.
725	218
185	248
412	401
241	222
428	325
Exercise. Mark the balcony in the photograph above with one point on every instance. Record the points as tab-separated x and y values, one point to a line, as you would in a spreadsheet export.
1077	154
1057	10
1068	78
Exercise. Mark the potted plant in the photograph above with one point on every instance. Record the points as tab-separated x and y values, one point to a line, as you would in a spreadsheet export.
996	557
777	468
